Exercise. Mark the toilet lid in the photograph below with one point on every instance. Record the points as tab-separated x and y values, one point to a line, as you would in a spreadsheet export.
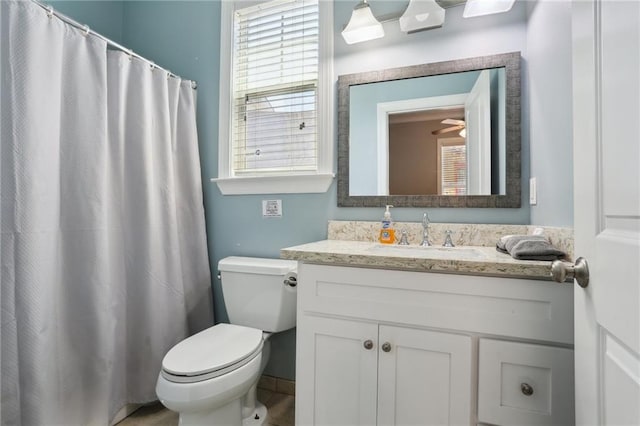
215	348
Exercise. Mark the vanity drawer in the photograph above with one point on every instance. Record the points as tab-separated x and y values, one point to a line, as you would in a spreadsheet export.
525	384
519	308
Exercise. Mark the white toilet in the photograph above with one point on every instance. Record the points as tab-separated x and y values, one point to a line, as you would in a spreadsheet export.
210	378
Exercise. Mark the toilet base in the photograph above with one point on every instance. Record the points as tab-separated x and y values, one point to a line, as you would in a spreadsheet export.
261	412
227	415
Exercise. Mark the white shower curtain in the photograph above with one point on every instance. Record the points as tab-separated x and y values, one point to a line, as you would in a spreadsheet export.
103	252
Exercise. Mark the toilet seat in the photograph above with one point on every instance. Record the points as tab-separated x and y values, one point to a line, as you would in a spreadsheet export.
213	352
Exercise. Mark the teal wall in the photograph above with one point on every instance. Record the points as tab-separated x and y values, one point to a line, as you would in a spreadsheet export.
551	104
458	38
104	17
184	37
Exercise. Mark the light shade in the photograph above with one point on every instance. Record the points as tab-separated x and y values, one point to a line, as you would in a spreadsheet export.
362	26
421	15
486	7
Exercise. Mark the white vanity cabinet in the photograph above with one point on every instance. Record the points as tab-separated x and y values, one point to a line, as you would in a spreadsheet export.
383	347
367	374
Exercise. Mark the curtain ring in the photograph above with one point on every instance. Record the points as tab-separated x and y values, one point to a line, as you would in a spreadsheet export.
129	53
194	84
152	65
168	75
85	30
49	12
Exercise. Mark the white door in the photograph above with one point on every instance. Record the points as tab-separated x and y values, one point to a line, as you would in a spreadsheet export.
424	377
336	372
477	111
606	126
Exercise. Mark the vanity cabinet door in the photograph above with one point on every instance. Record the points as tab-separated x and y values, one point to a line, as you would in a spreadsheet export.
336	372
424	377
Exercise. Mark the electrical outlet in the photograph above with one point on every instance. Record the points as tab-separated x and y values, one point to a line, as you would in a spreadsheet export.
533	191
271	208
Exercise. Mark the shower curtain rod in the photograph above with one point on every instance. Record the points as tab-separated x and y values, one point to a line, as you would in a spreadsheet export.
52	12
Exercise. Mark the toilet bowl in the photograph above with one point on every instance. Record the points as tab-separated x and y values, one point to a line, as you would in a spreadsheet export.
205	376
211	377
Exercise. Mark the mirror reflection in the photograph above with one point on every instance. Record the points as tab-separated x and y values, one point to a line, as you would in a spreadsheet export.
433	135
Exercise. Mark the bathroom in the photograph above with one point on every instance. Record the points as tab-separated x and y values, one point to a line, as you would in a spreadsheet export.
185	37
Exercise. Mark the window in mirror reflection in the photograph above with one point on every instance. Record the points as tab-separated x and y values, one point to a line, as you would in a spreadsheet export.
452	166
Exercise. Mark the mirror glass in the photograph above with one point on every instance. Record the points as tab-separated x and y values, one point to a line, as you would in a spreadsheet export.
445	134
434	135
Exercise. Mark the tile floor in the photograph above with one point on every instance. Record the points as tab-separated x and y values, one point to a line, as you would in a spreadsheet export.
280	406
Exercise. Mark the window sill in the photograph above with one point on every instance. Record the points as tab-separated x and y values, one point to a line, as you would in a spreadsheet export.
288	184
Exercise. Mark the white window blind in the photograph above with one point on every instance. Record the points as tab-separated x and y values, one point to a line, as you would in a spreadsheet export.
275	88
453	163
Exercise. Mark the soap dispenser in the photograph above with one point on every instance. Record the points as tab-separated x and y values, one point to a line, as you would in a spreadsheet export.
387	233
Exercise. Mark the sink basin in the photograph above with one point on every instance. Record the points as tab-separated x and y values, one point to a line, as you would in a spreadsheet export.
437	252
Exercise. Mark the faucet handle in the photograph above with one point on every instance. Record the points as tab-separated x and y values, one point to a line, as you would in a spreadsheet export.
404	239
447	241
425	230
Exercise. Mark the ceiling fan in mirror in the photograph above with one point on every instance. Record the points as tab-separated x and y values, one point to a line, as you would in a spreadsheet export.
454	126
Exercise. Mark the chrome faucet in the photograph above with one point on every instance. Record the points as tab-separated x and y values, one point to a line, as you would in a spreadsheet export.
425	231
404	239
447	241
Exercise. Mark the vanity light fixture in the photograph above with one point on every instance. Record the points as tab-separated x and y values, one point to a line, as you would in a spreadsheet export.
486	7
421	15
362	26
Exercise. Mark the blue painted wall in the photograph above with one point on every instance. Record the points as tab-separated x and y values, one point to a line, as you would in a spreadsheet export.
458	38
184	37
549	67
104	17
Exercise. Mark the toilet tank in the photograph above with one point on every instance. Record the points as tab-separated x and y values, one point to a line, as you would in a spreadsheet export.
255	292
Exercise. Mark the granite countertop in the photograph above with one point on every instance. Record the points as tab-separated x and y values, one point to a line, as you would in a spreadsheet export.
468	260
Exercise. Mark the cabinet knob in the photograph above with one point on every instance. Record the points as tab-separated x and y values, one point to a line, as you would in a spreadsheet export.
368	344
386	346
526	389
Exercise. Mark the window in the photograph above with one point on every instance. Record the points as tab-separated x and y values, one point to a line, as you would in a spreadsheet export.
275	117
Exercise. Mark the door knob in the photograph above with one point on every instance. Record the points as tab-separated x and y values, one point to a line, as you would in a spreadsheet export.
368	344
386	346
579	271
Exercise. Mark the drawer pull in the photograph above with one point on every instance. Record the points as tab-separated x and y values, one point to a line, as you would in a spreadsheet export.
368	344
526	389
386	346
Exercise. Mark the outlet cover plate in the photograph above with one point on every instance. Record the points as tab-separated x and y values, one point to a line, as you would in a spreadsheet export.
271	208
